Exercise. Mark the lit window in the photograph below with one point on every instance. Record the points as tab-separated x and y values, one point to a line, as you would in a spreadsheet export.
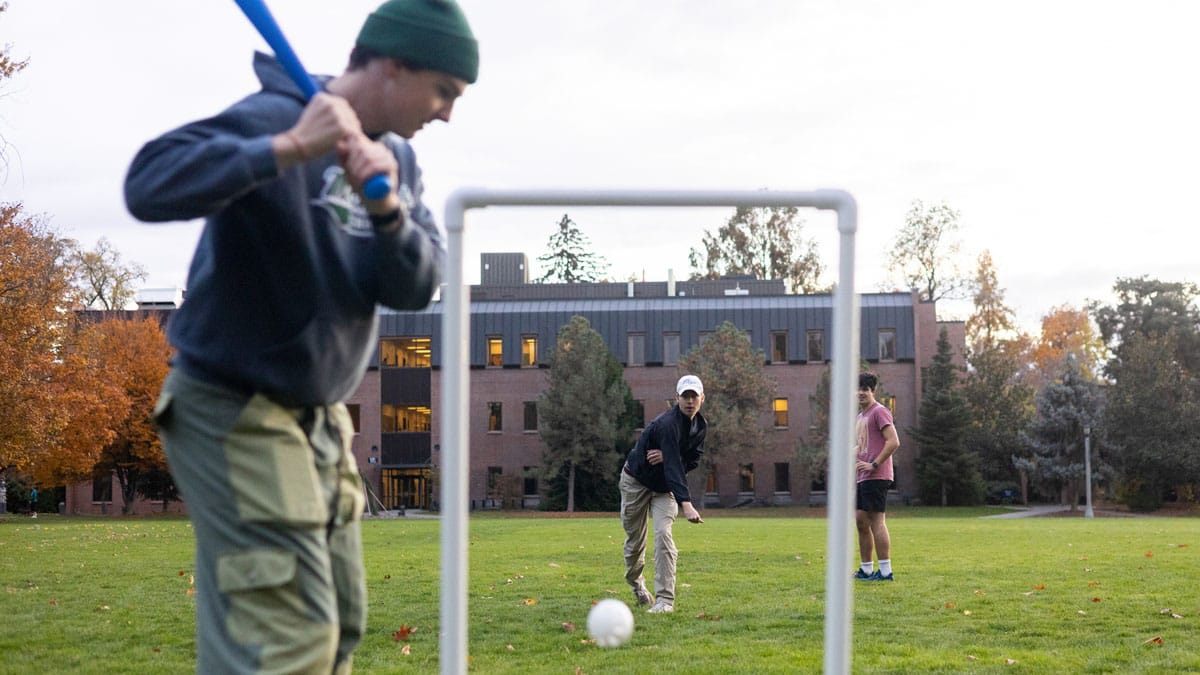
495	352
404	418
780	406
529	352
405	352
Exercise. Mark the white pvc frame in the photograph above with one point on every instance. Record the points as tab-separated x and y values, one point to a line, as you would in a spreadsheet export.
455	439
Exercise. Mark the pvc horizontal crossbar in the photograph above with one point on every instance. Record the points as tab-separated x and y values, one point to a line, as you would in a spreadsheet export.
455	438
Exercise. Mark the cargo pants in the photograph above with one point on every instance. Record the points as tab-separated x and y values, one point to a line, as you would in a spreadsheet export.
637	503
274	498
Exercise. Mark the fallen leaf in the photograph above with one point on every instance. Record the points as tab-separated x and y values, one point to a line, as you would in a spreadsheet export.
966	612
529	602
191	591
510	648
1010	662
54	602
1156	640
979	592
1149	554
1039	587
1083	557
949	605
1165	611
1082	613
1095	599
103	608
404	632
406	650
709	617
1181	545
553	564
568	626
685	585
971	657
1093	583
1176	616
1027	593
182	572
386	577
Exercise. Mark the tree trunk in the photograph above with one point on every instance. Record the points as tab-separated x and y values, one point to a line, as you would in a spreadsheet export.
945	501
571	487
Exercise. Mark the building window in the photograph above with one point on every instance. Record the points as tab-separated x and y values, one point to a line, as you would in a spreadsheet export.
531	420
495	352
355	410
746	478
816	346
780	407
102	484
670	349
405	352
779	348
531	481
710	480
493	482
888	401
495	416
887	344
818	482
635	354
783	478
529	352
638	411
401	418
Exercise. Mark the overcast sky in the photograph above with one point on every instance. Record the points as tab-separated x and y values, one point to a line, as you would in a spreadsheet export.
1066	133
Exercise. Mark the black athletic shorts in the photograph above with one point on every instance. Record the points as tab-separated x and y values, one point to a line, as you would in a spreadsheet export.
872	495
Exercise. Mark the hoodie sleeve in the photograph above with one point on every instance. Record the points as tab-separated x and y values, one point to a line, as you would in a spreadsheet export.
203	167
409	262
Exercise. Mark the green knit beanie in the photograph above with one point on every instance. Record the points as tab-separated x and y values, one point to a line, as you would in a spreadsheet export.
429	34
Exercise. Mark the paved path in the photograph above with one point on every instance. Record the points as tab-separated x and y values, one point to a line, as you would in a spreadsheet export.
1030	511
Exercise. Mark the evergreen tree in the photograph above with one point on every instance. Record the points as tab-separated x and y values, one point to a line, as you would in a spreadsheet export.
947	473
737	394
1064	408
1151	421
568	258
580	413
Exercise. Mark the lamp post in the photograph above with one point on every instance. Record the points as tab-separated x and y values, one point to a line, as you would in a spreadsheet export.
1087	470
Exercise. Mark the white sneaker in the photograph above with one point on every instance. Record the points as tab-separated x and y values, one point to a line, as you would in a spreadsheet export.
661	607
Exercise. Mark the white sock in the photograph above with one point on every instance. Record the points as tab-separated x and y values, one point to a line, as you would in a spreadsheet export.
885	567
868	567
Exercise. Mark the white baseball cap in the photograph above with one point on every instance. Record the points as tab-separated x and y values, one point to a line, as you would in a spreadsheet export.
689	383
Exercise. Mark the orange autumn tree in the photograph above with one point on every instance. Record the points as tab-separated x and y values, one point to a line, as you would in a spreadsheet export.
132	355
35	291
1067	330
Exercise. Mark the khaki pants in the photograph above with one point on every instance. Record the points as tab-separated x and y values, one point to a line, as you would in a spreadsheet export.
638	504
274	497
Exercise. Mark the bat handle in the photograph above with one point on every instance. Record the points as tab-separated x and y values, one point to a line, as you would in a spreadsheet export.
377	187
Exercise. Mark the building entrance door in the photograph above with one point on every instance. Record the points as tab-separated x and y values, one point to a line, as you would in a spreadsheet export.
406	488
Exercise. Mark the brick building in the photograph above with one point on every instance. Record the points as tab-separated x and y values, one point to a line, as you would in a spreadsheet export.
647	326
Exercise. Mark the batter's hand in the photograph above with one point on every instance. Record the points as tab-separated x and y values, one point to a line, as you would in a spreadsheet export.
363	159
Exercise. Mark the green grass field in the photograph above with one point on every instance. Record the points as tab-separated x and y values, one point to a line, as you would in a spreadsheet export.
1045	595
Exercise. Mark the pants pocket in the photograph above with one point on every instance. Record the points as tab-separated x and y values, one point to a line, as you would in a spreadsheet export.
267	612
271	467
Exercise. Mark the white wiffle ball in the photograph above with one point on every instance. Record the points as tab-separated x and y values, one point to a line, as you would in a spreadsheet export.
610	623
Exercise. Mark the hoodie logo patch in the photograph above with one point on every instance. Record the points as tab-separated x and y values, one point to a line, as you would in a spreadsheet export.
342	204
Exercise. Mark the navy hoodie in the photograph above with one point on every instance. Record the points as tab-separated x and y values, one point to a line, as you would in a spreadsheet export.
283	287
672	432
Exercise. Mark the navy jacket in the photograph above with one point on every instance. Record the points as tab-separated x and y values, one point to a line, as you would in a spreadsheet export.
681	448
283	287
